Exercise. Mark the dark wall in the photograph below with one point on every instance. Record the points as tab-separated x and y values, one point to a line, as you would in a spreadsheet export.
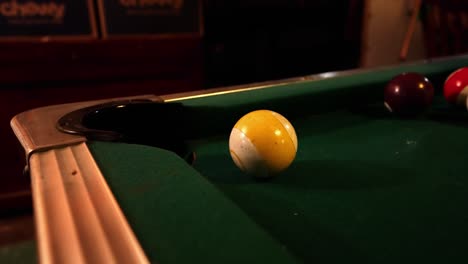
248	41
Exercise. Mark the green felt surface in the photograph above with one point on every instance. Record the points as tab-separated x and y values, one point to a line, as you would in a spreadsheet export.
364	85
365	187
19	252
213	115
177	215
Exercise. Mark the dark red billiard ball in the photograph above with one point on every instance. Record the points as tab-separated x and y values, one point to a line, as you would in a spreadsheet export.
408	94
456	87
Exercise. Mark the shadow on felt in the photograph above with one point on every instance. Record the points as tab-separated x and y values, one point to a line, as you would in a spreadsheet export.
312	174
343	175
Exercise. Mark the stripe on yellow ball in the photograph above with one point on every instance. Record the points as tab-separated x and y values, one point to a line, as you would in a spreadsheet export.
237	160
245	154
272	140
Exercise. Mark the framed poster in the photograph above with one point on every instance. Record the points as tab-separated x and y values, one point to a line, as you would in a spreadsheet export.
133	18
44	19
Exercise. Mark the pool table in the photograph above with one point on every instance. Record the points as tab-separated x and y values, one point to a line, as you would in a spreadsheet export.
150	178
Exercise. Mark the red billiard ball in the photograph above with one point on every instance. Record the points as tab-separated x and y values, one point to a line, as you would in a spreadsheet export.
408	94
456	87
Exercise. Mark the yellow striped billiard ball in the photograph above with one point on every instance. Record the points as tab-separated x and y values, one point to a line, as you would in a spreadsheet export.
263	143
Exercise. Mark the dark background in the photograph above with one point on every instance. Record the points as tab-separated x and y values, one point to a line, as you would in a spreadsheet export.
185	20
247	41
